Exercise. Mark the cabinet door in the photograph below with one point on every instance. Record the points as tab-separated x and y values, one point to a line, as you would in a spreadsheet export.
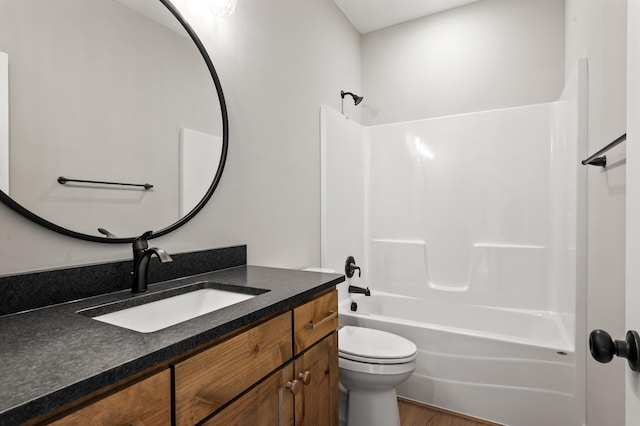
316	403
147	402
270	403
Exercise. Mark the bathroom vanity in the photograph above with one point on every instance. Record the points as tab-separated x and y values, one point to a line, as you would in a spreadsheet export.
272	358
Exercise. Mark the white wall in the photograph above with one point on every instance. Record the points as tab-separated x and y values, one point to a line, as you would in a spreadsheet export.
597	29
278	61
490	54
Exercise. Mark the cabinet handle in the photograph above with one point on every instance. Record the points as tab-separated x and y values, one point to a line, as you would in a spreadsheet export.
293	386
331	316
305	377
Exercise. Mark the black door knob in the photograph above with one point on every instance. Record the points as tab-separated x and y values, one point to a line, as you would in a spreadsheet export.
603	347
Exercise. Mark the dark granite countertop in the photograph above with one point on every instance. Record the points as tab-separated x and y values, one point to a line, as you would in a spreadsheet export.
52	356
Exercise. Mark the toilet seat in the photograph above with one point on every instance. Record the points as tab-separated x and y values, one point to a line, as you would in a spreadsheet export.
375	369
374	346
384	361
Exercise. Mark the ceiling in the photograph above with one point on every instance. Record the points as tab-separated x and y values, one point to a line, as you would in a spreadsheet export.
371	15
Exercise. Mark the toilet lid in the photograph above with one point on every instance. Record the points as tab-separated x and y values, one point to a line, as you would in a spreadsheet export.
376	346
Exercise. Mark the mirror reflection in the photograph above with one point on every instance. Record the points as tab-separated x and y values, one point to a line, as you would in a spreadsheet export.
109	91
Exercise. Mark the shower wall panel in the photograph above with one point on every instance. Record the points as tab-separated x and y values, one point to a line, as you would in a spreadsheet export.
344	158
474	189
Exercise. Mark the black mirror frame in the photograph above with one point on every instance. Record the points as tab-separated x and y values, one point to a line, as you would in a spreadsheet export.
223	157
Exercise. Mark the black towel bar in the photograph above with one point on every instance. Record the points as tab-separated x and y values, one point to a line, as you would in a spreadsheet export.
62	180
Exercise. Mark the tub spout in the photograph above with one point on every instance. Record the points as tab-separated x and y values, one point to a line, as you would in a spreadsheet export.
360	290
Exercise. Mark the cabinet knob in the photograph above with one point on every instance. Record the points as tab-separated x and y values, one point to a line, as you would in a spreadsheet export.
305	377
603	347
293	386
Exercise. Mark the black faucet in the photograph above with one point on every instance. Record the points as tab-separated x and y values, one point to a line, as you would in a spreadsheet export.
350	267
360	290
141	256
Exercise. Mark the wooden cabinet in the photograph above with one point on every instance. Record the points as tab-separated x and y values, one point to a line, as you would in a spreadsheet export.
147	402
317	401
207	381
280	371
316	364
314	320
304	392
269	403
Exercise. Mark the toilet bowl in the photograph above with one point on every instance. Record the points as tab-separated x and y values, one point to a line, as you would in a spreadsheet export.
372	363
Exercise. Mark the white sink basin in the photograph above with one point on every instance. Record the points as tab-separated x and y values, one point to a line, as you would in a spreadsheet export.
164	313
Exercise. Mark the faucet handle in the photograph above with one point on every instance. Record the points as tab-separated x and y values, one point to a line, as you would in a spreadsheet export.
141	243
350	267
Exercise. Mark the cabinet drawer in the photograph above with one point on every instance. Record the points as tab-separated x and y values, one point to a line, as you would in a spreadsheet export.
147	402
210	379
314	320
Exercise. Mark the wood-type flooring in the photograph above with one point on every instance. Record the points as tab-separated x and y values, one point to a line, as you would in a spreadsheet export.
417	414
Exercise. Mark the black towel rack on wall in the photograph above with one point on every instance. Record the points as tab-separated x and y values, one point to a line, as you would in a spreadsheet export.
62	180
598	159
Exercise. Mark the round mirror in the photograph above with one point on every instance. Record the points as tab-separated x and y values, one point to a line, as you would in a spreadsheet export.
112	117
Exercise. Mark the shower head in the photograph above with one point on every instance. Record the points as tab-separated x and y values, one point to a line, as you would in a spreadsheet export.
356	99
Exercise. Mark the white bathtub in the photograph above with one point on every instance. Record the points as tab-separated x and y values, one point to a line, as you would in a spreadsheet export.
510	366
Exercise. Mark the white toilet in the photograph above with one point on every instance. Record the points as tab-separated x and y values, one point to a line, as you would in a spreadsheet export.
372	364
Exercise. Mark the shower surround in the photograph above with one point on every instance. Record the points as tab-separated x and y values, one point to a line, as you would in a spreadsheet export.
470	233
